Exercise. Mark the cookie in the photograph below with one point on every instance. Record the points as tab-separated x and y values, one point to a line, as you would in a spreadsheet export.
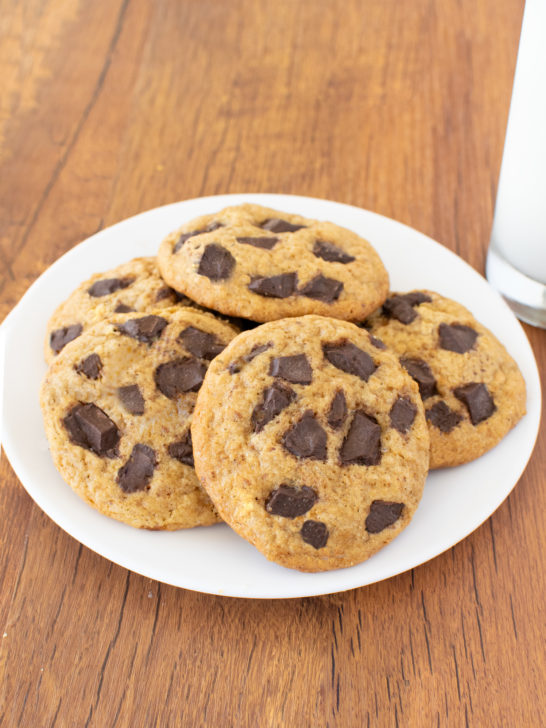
311	442
471	387
133	286
117	405
262	264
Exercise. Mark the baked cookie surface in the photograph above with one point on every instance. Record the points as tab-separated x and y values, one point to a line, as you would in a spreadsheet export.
471	387
132	286
311	442
263	264
117	405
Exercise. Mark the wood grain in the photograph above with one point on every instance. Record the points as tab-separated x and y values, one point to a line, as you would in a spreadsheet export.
111	108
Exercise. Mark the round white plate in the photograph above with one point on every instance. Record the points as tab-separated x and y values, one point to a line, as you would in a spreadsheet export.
215	559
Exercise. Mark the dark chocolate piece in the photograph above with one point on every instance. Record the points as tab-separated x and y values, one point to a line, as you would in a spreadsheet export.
137	472
146	329
275	399
401	307
338	411
457	337
442	417
123	308
420	371
61	337
295	369
200	343
165	292
182	450
349	358
306	439
109	285
276	225
256	350
132	399
185	236
402	414
216	263
90	366
236	366
179	375
362	446
323	289
478	401
290	502
315	533
331	253
264	243
374	341
89	427
382	514
280	286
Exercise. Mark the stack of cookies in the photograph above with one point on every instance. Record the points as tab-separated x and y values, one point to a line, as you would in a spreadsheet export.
258	371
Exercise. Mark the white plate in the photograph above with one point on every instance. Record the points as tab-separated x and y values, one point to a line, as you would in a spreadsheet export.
215	559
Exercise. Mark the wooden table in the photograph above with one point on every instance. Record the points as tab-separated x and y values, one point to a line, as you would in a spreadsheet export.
112	107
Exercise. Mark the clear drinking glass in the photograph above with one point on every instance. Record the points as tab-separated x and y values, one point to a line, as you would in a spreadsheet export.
516	261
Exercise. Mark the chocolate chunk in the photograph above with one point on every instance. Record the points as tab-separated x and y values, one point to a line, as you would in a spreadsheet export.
416	298
295	369
276	225
402	307
216	263
137	472
420	371
377	342
165	292
275	399
315	533
61	337
457	337
331	253
108	285
89	427
290	502
185	236
382	514
323	289
442	417
338	411
236	366
182	450
200	343
123	308
362	446
349	358
256	350
179	375
90	366
146	329
264	243
402	414
132	399
477	399
306	439
280	286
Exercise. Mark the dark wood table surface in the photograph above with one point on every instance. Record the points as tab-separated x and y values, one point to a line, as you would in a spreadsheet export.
112	107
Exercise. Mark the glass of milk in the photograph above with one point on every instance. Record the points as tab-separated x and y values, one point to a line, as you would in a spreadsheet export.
516	261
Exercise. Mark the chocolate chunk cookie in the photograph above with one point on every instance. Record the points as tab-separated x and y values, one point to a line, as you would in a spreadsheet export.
117	406
471	387
262	264
133	286
311	441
